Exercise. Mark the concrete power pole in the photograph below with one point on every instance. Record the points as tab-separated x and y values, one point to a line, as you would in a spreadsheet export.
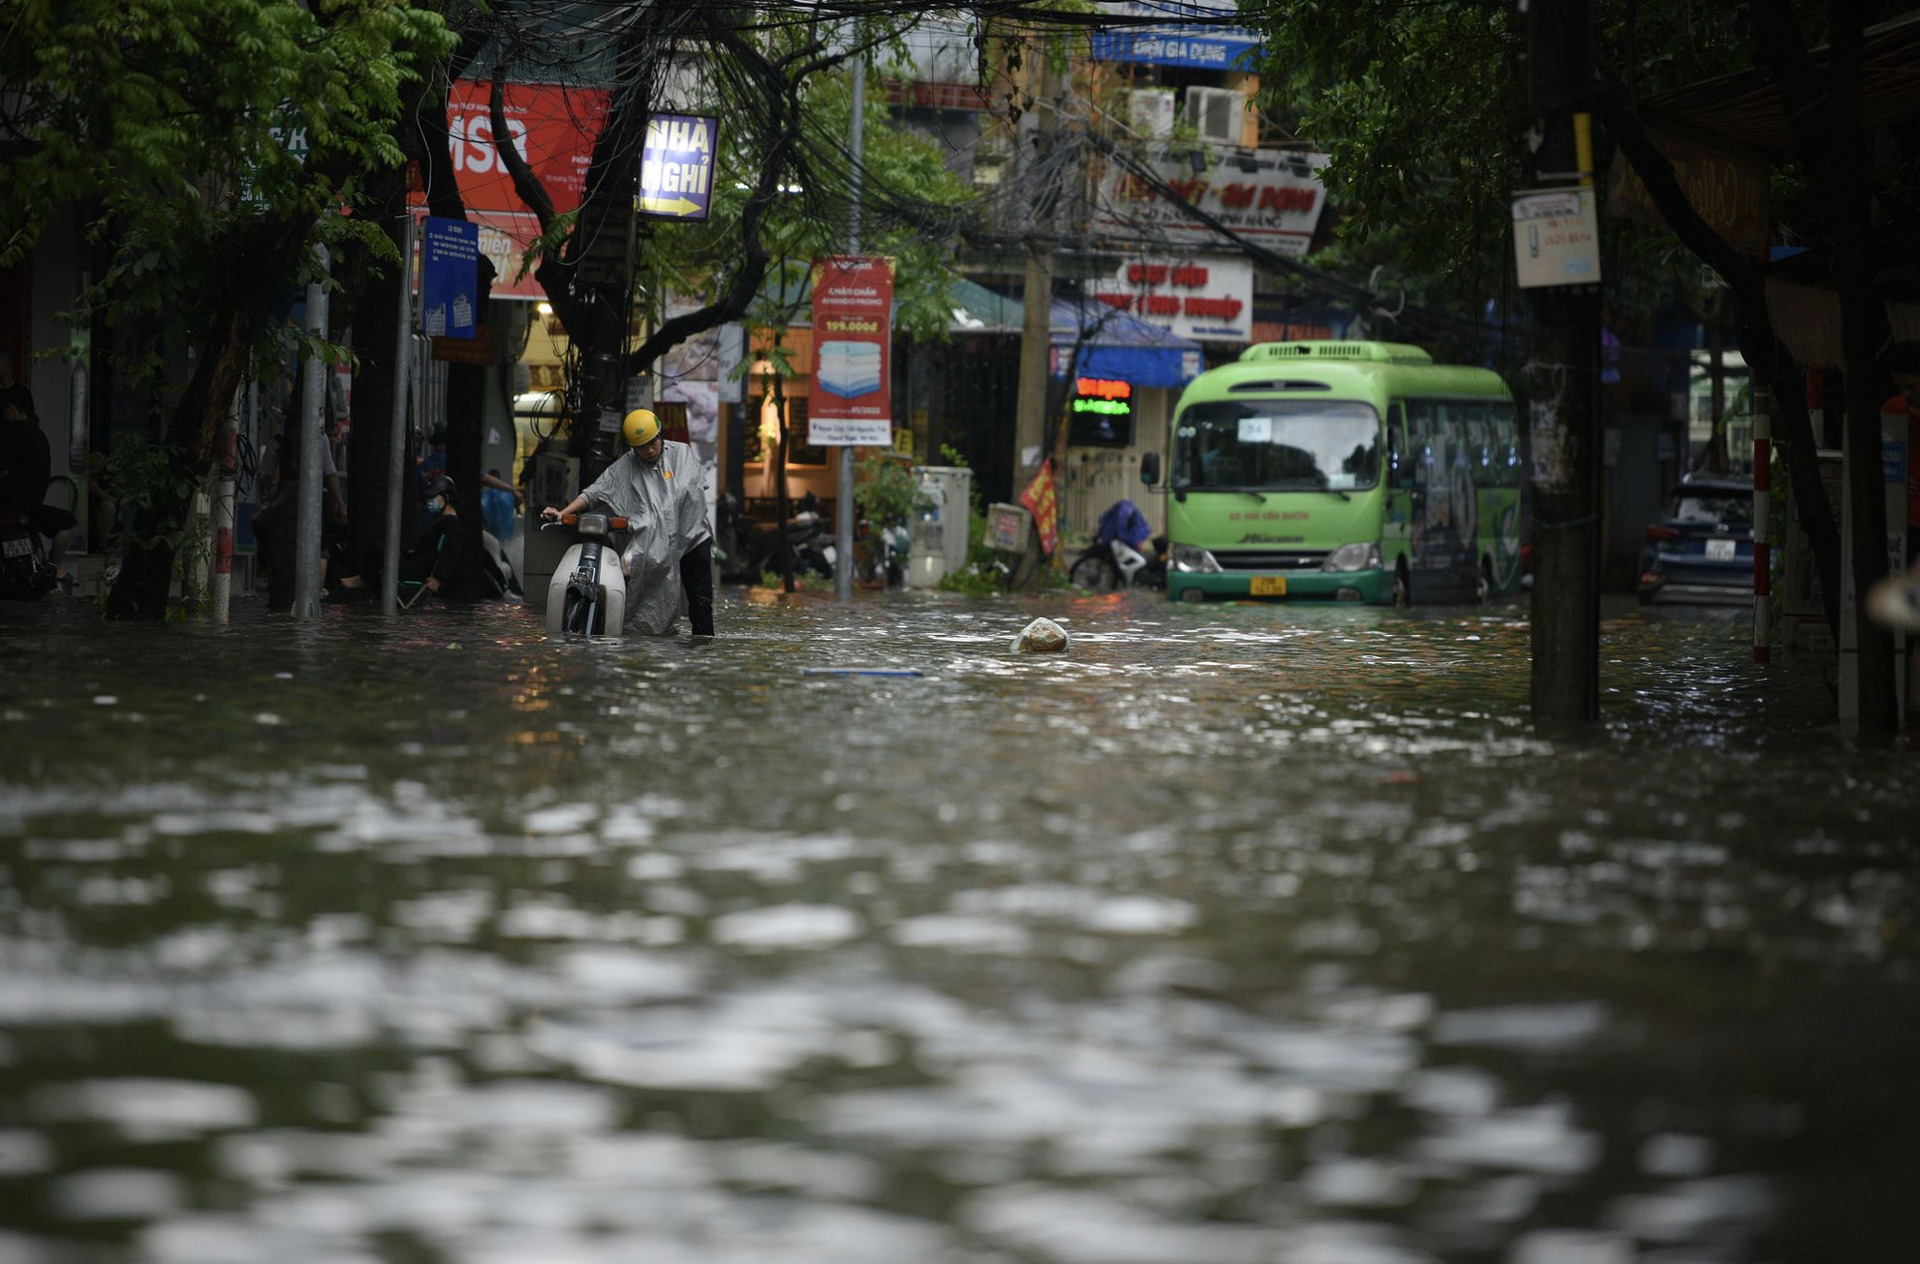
1562	387
1030	416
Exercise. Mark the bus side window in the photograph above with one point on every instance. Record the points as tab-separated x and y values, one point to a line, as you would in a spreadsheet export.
1399	466
1423	423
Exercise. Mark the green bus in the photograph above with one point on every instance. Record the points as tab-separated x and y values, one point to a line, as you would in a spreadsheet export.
1342	471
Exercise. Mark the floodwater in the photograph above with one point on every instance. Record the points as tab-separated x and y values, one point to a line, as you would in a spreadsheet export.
1238	935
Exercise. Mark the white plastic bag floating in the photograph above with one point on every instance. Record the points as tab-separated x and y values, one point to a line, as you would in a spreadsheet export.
1042	636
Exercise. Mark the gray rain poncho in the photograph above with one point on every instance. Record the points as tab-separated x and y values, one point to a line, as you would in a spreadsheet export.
665	506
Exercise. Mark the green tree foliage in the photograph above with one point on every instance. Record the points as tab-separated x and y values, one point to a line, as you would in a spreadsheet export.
207	145
1423	109
914	205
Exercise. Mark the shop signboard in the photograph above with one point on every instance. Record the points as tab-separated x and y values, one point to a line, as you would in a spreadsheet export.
1198	45
676	166
1208	298
1270	197
1100	414
851	401
551	126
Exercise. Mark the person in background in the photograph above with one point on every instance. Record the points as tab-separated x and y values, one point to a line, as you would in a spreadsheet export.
434	560
434	463
499	505
26	466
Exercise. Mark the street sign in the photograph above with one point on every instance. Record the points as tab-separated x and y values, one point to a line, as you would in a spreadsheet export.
1556	238
450	278
676	166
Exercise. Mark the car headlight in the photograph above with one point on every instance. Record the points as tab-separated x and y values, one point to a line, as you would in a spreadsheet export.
1353	557
1191	560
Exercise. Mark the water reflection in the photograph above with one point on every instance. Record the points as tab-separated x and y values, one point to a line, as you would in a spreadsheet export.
1238	933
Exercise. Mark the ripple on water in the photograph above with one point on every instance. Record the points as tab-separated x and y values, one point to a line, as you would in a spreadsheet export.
1263	933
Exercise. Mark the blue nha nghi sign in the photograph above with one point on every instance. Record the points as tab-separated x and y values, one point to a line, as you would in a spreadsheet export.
676	166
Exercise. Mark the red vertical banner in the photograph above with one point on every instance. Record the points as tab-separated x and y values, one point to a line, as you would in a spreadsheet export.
1039	500
852	332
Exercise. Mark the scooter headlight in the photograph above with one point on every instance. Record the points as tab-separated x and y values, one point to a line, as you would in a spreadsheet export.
591	524
1194	561
1353	557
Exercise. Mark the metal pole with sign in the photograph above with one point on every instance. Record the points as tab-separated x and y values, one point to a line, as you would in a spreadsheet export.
397	452
843	507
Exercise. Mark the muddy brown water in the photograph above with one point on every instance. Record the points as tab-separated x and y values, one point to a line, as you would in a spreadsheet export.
1237	934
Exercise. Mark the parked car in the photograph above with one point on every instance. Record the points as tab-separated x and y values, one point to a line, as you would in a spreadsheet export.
1701	548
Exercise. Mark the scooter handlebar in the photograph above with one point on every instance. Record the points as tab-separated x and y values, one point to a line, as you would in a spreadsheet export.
568	520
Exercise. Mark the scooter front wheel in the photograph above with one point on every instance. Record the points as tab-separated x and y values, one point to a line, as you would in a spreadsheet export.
1094	573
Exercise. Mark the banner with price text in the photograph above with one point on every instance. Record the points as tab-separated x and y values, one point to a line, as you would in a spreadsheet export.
852	334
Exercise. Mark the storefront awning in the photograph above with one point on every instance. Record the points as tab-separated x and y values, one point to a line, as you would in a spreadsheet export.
1112	344
978	310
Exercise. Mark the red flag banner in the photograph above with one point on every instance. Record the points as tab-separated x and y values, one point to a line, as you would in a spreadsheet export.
1038	498
852	398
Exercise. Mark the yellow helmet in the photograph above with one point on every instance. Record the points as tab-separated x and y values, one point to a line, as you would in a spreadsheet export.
641	428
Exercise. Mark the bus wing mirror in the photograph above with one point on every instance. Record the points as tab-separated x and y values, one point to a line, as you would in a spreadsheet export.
1150	468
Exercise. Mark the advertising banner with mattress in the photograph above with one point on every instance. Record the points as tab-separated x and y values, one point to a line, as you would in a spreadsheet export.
852	331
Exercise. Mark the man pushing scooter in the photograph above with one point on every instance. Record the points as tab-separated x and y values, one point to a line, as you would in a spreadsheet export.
656	486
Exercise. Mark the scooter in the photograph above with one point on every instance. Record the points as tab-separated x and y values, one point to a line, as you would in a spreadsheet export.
588	594
25	572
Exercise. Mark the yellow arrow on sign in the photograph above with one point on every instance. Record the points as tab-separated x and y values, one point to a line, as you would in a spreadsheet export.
666	206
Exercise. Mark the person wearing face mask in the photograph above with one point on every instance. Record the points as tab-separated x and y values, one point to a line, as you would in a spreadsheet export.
657	487
434	560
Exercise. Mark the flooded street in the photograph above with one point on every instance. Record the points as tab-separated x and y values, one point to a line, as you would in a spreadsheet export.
1238	935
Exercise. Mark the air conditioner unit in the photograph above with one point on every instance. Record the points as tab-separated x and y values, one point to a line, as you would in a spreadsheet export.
1150	112
1216	113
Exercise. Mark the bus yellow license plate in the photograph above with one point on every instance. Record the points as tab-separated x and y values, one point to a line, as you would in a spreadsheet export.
1269	585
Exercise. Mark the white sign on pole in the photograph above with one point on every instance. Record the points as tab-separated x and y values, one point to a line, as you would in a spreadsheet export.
1556	238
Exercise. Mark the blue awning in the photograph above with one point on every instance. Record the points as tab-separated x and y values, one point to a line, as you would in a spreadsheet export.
1113	344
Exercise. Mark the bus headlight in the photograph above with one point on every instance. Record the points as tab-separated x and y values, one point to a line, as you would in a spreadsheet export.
1194	561
1353	557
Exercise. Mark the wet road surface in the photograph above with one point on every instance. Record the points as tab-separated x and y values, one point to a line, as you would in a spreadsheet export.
1237	934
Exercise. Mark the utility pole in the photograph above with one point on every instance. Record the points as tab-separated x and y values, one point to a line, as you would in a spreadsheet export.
1030	416
1563	390
843	502
220	591
397	449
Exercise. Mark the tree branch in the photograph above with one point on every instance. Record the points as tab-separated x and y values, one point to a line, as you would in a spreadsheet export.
525	183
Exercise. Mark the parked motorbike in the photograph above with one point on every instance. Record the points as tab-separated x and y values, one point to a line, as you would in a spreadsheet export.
748	549
588	594
25	572
886	565
1106	566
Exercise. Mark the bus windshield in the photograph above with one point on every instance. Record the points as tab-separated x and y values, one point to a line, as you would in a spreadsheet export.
1277	445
